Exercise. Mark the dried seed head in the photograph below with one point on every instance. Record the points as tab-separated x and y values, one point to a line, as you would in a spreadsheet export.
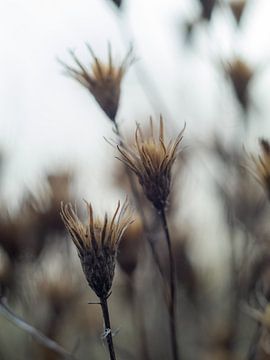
261	168
151	160
237	8
97	243
240	75
103	80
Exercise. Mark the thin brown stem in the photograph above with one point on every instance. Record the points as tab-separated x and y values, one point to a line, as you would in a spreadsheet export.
172	298
107	323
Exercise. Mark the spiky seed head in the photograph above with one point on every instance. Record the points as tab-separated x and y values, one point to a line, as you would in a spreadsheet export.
151	159
97	242
261	165
103	79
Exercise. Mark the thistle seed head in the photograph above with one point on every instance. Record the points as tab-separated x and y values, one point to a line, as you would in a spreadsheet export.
103	80
97	242
151	159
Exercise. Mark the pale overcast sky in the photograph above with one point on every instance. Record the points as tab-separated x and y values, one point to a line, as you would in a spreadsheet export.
48	120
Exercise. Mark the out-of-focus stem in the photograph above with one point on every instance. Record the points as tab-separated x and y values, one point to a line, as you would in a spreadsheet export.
36	334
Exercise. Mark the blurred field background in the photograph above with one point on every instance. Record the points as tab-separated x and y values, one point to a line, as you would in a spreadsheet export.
199	62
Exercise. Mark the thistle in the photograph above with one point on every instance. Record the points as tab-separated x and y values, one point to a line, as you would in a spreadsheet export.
103	80
97	243
151	159
261	168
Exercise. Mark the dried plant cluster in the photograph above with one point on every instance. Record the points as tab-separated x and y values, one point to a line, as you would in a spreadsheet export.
168	302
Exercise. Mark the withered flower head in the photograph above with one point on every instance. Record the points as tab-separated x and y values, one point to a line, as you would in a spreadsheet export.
97	242
237	8
261	168
103	79
240	75
151	159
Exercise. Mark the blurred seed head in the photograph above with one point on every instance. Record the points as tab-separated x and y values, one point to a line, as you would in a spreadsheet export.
237	8
59	291
151	159
207	8
103	79
240	75
117	3
260	166
97	242
129	247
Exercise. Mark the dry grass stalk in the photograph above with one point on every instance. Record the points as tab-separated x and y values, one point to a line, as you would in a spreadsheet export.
103	79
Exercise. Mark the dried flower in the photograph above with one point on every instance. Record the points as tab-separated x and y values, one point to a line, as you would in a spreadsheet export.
262	165
240	75
97	243
103	80
151	160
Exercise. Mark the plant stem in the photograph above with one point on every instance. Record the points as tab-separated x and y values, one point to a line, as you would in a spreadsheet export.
172	299
108	331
